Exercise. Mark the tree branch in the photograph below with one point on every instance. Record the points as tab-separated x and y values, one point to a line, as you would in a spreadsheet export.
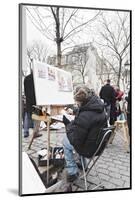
72	14
81	25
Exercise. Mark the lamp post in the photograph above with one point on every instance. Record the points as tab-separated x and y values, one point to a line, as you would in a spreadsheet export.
127	69
31	61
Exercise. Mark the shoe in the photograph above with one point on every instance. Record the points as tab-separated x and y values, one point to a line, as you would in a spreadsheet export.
37	135
67	188
26	135
72	178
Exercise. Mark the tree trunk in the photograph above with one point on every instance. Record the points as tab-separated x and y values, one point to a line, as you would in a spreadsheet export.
58	39
119	73
58	54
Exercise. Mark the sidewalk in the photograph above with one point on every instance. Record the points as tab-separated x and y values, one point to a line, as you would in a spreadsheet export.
113	166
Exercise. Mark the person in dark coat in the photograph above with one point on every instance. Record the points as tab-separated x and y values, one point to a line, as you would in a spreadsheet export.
107	93
30	101
119	94
128	99
82	132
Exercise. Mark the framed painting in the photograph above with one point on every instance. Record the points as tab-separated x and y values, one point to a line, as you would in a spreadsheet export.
66	55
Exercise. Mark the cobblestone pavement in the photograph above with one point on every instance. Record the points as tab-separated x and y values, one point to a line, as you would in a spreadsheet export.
113	166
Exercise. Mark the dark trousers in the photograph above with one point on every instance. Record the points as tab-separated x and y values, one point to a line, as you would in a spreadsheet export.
129	124
28	123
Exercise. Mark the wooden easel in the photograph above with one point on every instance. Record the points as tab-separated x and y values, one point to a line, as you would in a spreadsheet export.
48	119
123	125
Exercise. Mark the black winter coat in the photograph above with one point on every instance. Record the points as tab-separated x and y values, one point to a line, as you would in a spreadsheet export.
84	130
29	92
107	93
128	99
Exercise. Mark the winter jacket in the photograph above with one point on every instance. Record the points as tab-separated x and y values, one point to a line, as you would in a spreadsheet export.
128	99
107	93
29	92
84	130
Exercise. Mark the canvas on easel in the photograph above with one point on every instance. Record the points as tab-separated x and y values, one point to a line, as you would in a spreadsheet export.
49	78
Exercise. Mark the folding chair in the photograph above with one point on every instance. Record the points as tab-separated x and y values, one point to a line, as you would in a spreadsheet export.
104	140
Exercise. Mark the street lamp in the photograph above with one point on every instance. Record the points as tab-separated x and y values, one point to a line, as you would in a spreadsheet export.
127	69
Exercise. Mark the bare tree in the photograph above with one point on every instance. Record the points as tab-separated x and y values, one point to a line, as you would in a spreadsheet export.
38	51
116	40
64	24
81	58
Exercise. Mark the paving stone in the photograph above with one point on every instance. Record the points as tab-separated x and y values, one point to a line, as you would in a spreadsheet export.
125	178
104	171
104	176
92	179
117	162
116	181
114	175
123	172
108	185
124	160
104	166
111	164
125	168
127	164
93	187
107	159
114	169
126	185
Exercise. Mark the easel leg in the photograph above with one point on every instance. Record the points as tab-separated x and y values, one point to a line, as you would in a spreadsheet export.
126	139
48	149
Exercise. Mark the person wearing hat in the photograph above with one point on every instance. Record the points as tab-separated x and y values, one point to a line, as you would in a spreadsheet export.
82	132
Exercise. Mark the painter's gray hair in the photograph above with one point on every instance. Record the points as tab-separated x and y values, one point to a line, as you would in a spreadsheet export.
82	92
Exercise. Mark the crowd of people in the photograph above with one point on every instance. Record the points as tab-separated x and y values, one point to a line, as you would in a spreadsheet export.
92	113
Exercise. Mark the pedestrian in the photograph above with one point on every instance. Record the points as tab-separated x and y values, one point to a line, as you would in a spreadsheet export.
23	108
107	93
82	132
128	99
30	101
119	104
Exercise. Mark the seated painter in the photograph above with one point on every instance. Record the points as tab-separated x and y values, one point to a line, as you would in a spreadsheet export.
82	132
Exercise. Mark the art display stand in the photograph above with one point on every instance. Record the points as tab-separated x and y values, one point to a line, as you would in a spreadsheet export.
48	120
122	124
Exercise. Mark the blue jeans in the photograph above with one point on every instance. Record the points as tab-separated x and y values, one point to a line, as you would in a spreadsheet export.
28	123
71	165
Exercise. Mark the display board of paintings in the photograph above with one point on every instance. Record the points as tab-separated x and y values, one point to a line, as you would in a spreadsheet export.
53	86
